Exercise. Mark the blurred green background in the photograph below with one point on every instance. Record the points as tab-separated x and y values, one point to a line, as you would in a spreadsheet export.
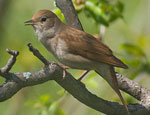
127	33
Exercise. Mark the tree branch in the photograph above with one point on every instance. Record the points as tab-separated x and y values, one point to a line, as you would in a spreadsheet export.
67	8
52	71
10	62
37	54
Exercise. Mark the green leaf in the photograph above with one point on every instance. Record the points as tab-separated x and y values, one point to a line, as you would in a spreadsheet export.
120	6
133	50
114	14
59	14
93	1
96	12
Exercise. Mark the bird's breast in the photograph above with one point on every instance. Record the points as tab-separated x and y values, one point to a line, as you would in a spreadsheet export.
38	33
59	49
44	34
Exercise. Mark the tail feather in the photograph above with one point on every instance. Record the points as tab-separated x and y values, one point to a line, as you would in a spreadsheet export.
108	73
116	88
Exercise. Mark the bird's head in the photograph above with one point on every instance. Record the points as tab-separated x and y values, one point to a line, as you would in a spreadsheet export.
42	20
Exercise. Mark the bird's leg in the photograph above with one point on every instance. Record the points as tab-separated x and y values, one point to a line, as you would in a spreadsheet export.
64	67
83	75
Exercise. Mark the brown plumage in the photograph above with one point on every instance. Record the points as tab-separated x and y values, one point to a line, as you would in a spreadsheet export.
84	44
75	48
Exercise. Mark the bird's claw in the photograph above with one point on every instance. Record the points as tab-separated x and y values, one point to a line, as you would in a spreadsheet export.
63	67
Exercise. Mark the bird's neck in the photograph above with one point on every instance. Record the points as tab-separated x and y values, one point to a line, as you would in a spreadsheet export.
51	32
58	26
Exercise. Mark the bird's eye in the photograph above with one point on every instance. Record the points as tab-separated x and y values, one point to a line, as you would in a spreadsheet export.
43	19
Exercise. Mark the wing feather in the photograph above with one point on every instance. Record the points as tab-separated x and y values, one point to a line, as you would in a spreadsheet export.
85	45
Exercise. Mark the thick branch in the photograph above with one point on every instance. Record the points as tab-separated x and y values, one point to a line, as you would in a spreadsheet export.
17	81
69	12
74	87
134	89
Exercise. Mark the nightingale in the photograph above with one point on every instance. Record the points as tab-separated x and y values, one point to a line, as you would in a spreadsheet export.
75	48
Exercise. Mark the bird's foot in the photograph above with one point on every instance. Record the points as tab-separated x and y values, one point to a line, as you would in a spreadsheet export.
64	67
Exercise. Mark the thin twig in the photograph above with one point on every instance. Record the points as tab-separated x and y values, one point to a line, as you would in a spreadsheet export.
10	62
38	54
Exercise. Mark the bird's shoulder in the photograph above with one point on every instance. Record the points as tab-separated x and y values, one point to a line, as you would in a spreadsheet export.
83	40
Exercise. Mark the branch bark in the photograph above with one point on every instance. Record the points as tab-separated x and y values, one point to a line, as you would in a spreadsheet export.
67	8
51	71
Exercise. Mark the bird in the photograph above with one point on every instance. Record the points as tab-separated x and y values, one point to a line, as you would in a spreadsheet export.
75	48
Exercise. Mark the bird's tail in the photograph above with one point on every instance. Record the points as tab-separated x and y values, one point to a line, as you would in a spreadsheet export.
108	73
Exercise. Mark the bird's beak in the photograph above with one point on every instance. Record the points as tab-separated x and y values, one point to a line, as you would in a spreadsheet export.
30	22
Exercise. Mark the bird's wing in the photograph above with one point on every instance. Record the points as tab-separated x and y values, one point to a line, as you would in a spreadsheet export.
85	45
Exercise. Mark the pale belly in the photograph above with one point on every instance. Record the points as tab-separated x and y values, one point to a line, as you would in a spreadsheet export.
76	62
60	51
